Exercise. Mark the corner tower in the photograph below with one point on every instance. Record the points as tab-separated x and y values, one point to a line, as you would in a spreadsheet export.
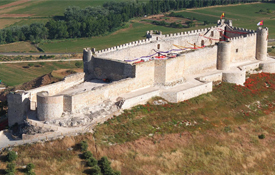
87	61
261	45
224	55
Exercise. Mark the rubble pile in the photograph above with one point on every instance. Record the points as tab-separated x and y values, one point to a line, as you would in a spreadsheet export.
27	128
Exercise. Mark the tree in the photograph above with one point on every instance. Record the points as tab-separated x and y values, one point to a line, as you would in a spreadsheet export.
11	156
96	170
10	168
83	144
105	167
87	155
30	167
91	162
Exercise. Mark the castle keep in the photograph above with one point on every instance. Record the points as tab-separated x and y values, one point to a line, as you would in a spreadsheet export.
176	67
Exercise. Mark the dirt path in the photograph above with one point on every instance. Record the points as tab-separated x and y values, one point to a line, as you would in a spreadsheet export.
123	30
36	61
229	5
15	15
13	3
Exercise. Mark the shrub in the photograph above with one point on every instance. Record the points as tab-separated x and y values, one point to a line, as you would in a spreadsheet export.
273	47
11	156
105	167
269	50
96	170
10	168
10	173
262	136
30	64
78	64
29	167
84	146
117	173
42	63
87	155
91	162
30	173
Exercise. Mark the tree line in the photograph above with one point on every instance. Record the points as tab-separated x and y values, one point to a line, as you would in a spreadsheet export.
96	21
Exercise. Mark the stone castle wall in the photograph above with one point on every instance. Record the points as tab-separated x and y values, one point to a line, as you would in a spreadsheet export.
111	69
243	48
133	77
55	88
166	42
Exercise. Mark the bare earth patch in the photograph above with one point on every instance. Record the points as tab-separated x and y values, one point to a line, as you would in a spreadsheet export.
18	47
15	15
123	30
167	19
13	3
7	22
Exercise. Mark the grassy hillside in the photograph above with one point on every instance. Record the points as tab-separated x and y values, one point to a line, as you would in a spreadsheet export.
215	133
15	74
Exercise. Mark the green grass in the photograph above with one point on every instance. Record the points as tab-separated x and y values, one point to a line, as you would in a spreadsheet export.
204	112
28	21
136	32
15	74
3	2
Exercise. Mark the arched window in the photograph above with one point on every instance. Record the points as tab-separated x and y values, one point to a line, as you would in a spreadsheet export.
212	33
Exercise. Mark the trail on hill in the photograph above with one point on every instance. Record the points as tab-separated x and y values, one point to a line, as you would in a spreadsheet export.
13	3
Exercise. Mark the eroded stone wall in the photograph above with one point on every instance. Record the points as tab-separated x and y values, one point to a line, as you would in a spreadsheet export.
112	70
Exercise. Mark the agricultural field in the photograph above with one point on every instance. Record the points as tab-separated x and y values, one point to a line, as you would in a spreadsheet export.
135	31
4	2
15	74
22	47
227	131
20	12
245	16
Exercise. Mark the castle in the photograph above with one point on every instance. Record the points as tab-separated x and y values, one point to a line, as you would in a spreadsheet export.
175	67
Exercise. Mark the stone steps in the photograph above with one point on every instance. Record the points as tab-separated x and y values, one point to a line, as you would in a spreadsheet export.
139	97
186	91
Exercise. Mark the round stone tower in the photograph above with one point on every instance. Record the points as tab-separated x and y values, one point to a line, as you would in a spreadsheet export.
49	107
224	54
87	57
261	45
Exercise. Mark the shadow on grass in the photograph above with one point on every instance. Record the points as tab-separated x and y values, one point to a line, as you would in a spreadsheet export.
59	18
3	159
88	171
77	147
2	171
22	170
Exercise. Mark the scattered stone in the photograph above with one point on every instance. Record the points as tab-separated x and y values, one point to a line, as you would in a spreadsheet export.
70	149
159	102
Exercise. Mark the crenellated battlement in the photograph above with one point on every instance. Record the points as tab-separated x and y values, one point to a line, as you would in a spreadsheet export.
159	36
252	34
